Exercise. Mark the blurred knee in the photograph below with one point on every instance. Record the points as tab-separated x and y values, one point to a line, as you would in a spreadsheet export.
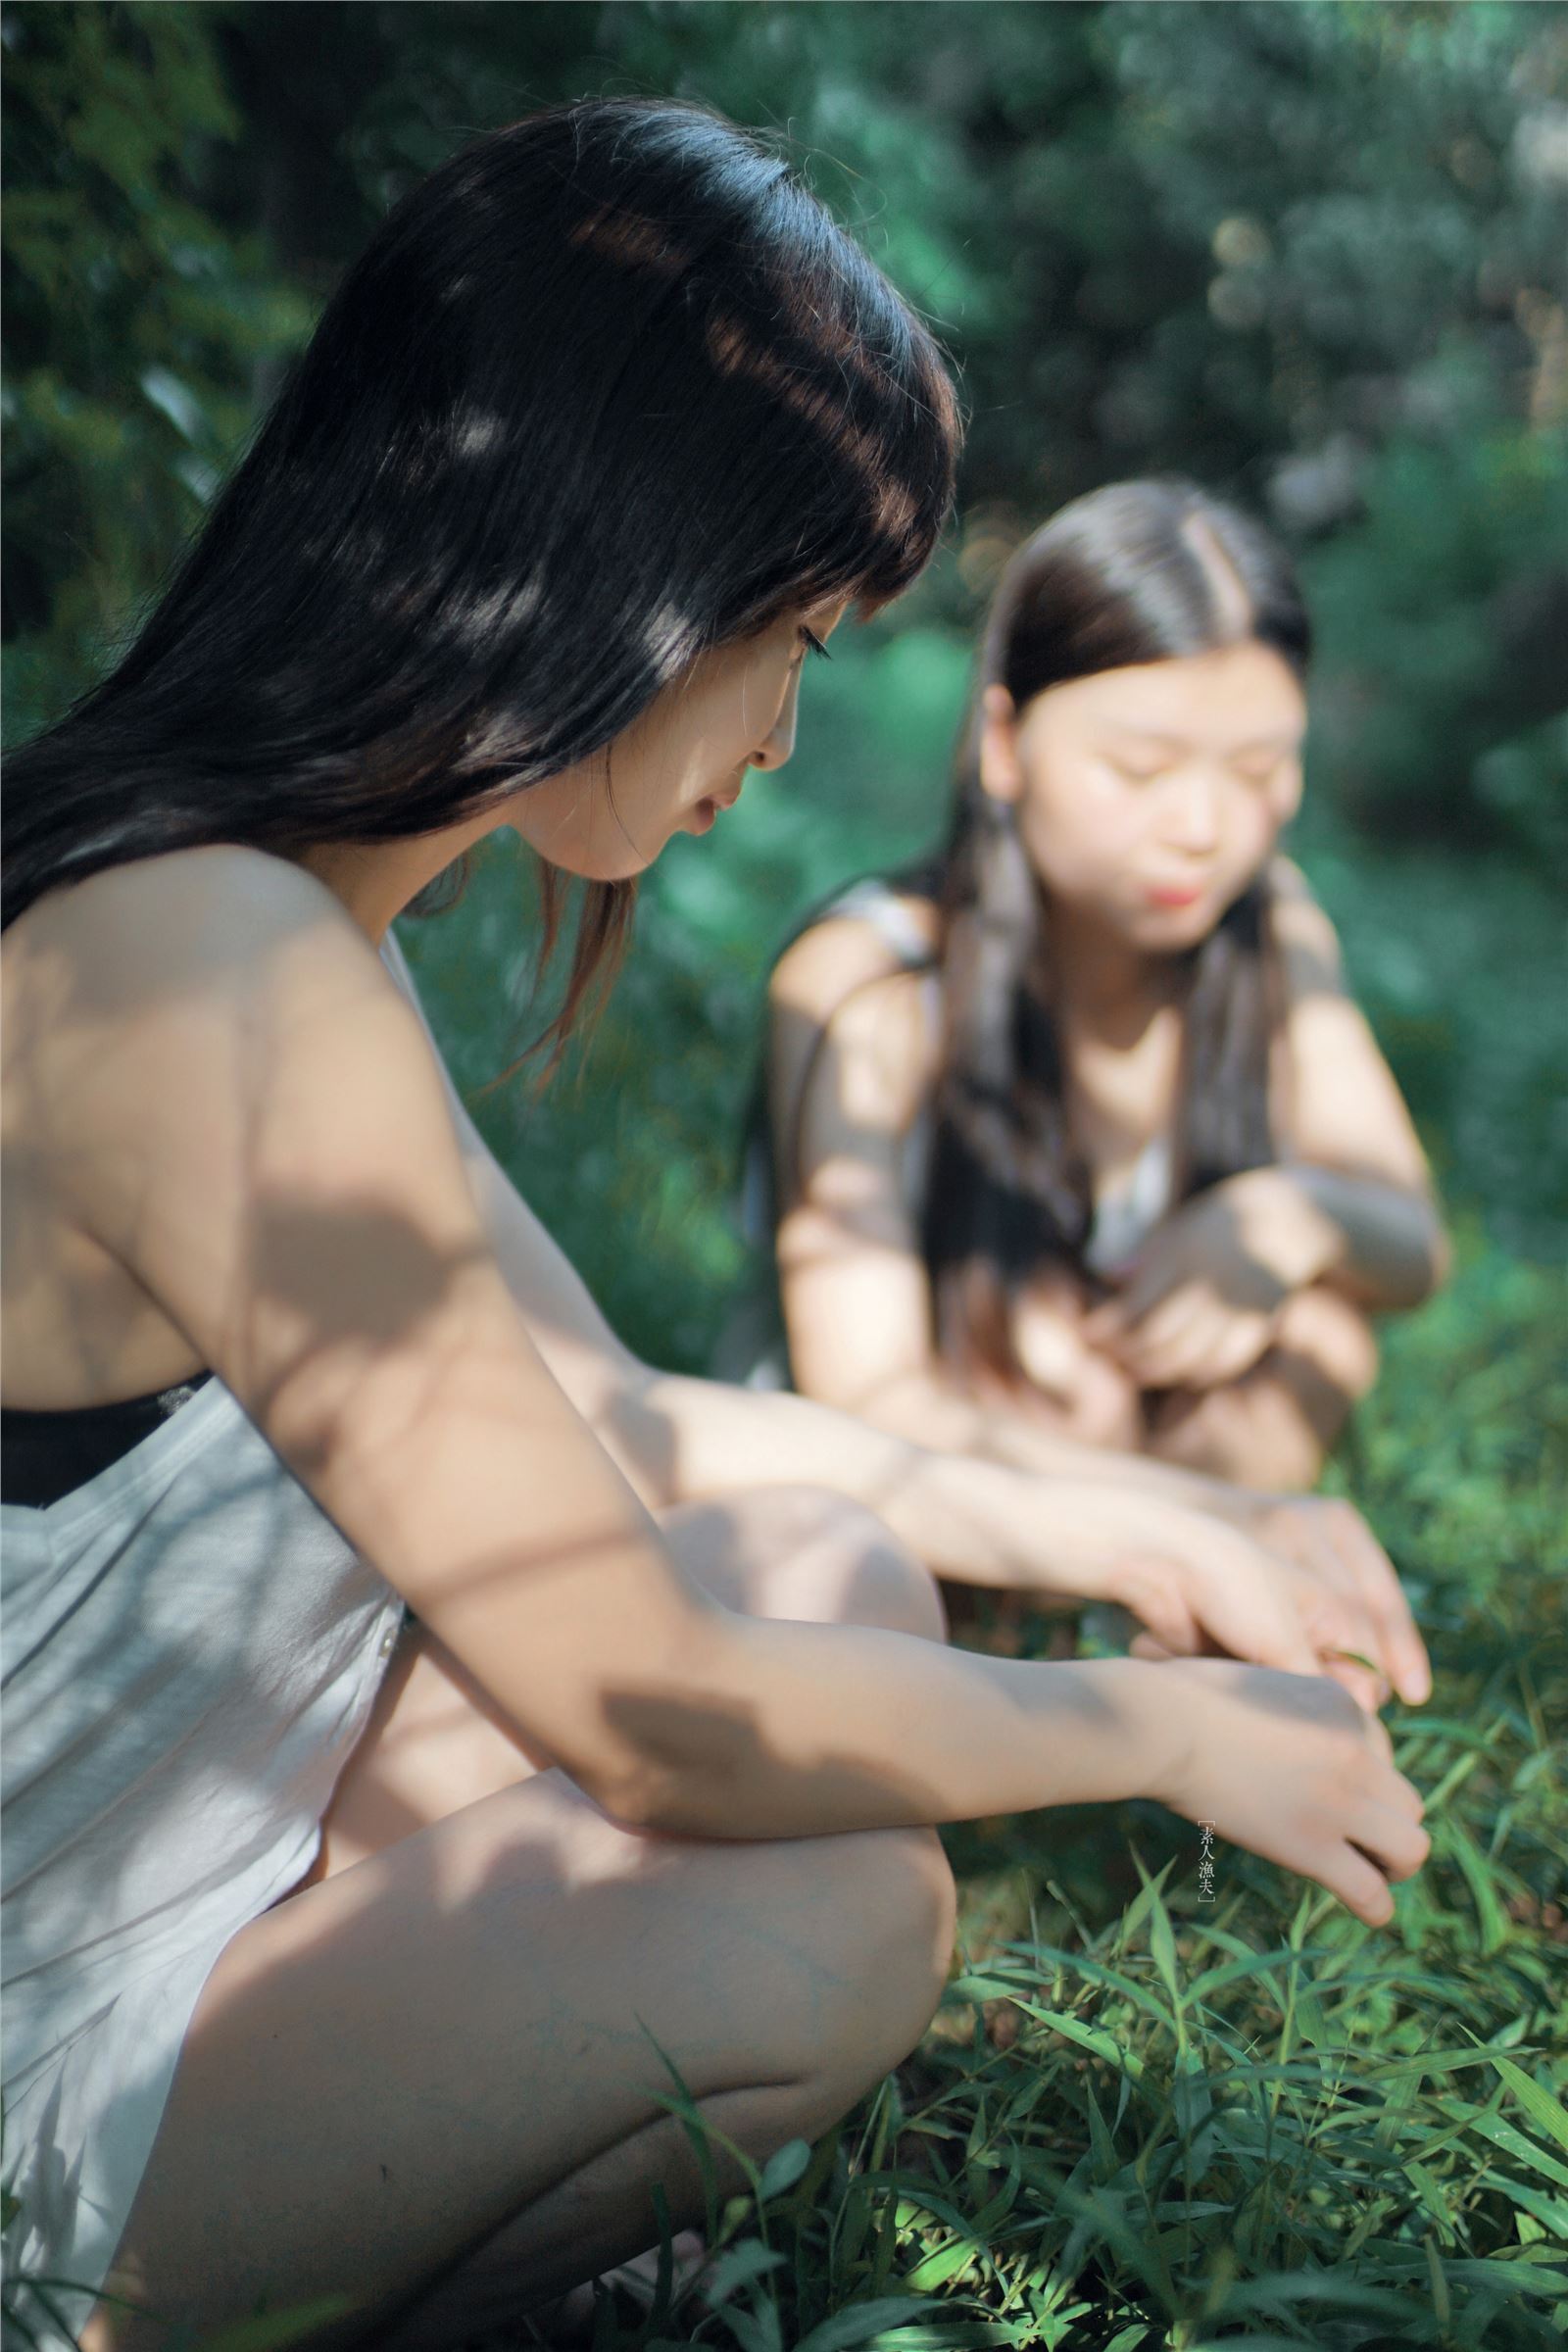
1253	1435
1324	1339
806	1553
857	1562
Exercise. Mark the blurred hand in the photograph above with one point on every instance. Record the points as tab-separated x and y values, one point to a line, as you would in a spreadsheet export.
1202	1298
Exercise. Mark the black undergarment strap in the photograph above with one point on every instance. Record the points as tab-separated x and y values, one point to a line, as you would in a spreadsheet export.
47	1456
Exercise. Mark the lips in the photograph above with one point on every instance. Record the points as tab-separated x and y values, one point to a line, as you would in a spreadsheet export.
707	810
1175	894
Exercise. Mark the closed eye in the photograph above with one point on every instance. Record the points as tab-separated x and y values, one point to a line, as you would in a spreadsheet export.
1258	770
813	644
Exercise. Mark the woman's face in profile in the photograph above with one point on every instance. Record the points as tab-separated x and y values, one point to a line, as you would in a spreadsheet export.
1148	797
684	761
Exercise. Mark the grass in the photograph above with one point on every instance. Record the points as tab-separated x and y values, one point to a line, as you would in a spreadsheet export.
1143	2119
1146	2119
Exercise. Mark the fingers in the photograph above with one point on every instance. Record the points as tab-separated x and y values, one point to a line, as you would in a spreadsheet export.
1249	1623
1194	1341
1376	1733
1390	1838
1400	1644
1333	1542
1153	1589
1386	1849
1360	1885
1369	1690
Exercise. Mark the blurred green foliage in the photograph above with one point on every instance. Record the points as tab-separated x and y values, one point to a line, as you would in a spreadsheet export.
1312	253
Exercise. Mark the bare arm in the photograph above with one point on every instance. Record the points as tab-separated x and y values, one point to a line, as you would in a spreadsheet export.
1355	1160
1323	1584
1347	1203
246	1113
852	1059
256	1129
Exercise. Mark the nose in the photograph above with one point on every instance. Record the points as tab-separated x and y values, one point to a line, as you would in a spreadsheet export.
778	743
1191	811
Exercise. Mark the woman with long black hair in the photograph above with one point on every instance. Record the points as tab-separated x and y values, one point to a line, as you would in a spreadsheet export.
344	1958
1130	1166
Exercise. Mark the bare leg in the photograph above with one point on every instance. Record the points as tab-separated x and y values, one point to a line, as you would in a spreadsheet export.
432	2070
1273	1427
436	1742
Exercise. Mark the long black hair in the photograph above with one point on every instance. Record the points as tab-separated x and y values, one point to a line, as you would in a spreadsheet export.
1136	572
609	388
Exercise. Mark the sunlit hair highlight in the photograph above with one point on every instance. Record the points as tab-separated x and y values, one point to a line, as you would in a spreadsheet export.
610	388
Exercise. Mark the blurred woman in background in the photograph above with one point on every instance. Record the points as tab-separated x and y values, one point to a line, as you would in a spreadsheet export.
1077	1130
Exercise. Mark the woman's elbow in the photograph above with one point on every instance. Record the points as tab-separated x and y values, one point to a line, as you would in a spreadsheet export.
670	1747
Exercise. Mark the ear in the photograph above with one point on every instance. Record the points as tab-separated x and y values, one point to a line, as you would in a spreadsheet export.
1000	773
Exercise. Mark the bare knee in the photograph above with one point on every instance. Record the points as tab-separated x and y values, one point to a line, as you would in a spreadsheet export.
1253	1434
1327	1347
806	1553
856	1559
897	1918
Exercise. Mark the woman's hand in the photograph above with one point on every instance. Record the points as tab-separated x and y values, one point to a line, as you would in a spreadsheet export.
1288	1766
1329	1539
1200	1591
1203	1296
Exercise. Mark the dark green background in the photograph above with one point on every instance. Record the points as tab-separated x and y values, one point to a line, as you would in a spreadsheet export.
1311	253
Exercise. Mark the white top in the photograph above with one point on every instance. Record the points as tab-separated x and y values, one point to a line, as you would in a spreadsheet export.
189	1653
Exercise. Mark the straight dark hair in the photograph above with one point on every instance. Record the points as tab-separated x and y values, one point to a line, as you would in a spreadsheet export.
1139	571
610	387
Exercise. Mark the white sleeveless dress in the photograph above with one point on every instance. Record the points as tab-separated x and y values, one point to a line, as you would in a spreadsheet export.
190	1649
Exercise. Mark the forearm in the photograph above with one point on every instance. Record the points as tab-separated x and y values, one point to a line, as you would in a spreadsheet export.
931	1411
1060	1536
1382	1243
778	1729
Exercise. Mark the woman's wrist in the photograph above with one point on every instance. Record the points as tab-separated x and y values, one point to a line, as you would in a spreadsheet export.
1285	1226
1109	1729
984	1523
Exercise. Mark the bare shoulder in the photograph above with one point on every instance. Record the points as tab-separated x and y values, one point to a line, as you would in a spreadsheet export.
225	917
160	1009
843	986
837	956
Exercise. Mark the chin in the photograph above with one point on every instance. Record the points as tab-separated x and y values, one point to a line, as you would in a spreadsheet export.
585	867
1170	929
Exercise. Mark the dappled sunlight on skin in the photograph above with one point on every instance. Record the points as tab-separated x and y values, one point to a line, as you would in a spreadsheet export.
436	1739
373	1337
801	1969
1273	1427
